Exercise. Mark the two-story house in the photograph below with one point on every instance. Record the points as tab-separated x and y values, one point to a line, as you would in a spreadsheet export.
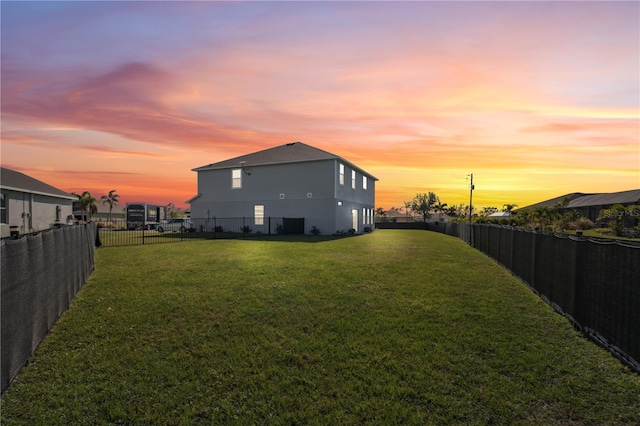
288	181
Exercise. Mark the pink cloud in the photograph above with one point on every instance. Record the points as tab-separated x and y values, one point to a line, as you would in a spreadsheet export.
127	101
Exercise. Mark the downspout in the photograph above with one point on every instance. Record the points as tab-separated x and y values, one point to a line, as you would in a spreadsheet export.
30	212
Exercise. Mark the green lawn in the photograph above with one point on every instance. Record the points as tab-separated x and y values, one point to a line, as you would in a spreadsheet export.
393	327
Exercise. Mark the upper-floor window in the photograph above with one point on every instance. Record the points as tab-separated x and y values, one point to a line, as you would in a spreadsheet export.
236	178
364	182
341	174
353	179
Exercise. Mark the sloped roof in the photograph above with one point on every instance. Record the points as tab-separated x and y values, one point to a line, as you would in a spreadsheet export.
501	214
554	201
294	152
16	181
578	199
623	197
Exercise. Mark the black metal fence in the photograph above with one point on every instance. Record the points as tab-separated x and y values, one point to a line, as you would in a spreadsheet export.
41	274
595	283
122	233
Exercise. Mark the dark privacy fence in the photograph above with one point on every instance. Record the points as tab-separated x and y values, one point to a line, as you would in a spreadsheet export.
595	283
41	274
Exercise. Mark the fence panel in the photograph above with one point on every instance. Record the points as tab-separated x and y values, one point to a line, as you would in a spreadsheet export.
505	247
609	306
594	283
41	274
524	255
481	238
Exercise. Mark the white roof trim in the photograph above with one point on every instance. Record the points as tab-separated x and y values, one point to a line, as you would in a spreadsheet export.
48	194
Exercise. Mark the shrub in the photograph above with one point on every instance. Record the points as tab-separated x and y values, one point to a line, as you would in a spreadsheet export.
367	229
245	229
314	230
218	229
581	223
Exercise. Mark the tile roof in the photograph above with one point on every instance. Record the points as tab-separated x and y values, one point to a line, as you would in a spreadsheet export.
16	181
293	152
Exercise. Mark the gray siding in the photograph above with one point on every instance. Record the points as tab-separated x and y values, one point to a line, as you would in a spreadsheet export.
303	189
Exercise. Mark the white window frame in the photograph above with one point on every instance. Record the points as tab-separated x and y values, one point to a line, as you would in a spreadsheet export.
341	174
364	182
258	214
353	179
236	178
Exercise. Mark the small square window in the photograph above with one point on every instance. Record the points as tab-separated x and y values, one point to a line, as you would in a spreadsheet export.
282	196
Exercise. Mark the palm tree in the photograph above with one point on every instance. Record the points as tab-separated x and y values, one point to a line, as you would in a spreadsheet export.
440	208
88	203
508	207
111	199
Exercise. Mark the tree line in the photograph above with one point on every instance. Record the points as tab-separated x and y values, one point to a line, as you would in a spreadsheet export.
89	204
619	219
425	206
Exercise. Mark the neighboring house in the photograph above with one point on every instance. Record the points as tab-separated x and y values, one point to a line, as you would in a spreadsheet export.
288	181
500	215
394	215
28	204
590	205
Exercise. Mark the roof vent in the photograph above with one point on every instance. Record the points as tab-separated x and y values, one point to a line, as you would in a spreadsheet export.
292	143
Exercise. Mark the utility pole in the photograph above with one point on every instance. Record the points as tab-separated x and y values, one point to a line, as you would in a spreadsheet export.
471	188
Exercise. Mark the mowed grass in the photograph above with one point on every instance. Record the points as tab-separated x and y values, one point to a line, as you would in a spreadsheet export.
393	327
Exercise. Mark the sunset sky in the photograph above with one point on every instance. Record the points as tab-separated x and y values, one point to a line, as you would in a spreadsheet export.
536	99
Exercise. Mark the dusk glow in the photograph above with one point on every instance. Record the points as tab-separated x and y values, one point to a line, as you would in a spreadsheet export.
536	99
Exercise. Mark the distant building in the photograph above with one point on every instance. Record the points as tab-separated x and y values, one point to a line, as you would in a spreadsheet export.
590	205
395	215
288	181
28	204
500	215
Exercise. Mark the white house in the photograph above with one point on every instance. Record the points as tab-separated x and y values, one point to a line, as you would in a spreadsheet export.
28	204
288	181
